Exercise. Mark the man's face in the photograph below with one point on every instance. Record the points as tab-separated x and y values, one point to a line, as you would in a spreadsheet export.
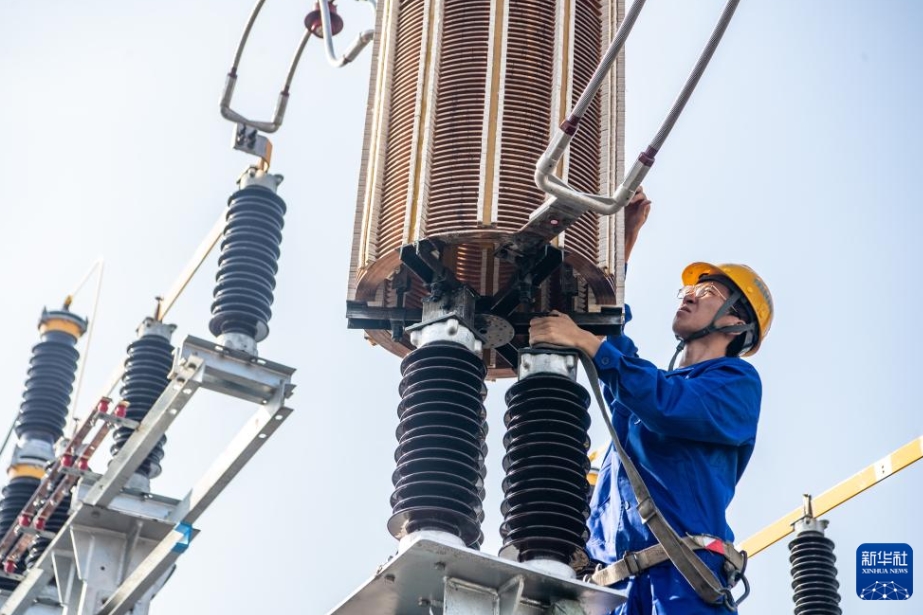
698	307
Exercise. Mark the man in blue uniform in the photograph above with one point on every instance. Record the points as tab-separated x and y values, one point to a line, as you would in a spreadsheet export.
690	431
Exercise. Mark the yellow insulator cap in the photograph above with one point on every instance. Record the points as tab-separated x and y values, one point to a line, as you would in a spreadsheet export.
64	321
24	469
60	324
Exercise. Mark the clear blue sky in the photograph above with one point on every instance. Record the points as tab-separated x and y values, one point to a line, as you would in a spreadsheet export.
799	154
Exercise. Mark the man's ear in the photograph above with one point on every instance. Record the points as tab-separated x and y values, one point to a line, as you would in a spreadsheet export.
737	321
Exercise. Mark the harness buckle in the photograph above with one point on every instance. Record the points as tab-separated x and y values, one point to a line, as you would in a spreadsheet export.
646	509
734	575
633	563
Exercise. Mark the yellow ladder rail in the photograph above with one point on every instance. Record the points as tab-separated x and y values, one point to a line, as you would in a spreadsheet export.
833	497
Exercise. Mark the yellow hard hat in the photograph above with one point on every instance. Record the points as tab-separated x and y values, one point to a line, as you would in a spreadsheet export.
751	285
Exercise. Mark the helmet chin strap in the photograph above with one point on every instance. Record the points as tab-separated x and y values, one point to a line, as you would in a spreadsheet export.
712	328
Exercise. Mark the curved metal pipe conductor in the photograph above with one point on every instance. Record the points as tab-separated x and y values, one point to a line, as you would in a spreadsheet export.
565	195
365	37
229	85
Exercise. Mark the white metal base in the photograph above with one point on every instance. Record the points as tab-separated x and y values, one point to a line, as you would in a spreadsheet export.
436	536
442	579
548	566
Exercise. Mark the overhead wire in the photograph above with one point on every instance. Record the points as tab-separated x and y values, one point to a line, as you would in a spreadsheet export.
99	267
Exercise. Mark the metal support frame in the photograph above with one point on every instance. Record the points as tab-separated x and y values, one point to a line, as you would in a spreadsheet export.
495	314
531	271
360	315
117	548
430	574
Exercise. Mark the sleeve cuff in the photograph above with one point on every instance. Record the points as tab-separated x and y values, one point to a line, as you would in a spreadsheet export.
607	356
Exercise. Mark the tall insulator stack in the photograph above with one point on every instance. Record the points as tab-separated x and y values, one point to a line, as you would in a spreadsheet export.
147	373
463	101
439	480
43	412
816	589
248	264
546	491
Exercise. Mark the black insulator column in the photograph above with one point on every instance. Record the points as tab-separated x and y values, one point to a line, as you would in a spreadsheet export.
15	497
147	371
50	381
248	263
546	490
816	590
439	480
42	414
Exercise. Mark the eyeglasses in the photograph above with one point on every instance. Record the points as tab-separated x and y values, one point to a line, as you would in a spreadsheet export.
705	289
700	290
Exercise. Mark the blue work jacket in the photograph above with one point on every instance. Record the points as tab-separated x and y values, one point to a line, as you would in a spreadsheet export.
689	431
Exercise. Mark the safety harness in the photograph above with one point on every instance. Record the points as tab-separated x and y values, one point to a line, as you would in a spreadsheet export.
680	551
636	562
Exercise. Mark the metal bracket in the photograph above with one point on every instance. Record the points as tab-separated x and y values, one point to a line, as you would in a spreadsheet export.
47	602
116	548
90	554
609	321
510	596
423	258
532	271
360	315
566	607
249	140
185	382
545	223
236	373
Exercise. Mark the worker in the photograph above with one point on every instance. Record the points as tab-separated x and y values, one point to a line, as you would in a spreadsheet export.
690	431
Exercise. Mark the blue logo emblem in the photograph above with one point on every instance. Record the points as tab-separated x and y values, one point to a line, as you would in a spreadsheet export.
884	571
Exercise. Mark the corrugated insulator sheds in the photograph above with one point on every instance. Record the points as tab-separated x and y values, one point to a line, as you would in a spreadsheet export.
248	264
52	370
438	483
816	589
546	489
147	371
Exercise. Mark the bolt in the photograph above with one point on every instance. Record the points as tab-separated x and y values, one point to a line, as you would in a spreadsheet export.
389	578
424	602
439	566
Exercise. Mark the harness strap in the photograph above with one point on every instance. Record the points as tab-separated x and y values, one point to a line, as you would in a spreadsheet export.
635	562
699	576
